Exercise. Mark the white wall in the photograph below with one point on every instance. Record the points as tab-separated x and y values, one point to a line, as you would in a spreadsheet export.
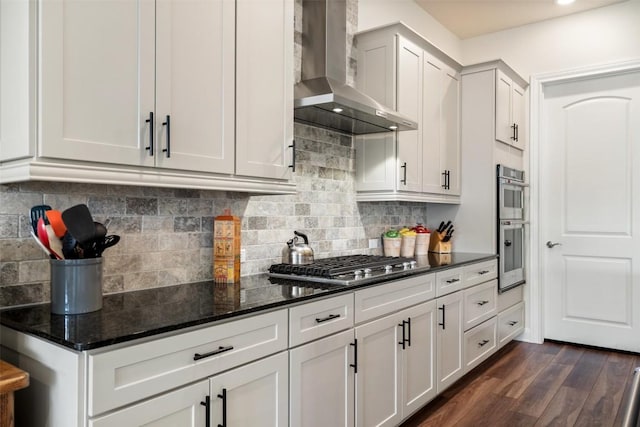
374	13
599	36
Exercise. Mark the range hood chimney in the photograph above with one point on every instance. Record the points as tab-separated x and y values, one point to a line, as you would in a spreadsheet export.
323	97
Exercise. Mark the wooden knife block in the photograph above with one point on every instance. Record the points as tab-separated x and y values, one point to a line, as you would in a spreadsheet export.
437	245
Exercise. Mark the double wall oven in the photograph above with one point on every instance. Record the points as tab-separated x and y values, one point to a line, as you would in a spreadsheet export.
511	227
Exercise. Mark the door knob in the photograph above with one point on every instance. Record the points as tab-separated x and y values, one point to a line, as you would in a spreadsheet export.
551	245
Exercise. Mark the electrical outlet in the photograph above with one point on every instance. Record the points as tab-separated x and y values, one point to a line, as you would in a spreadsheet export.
374	243
243	255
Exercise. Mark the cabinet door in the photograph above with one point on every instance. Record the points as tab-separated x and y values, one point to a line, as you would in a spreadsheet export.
264	88
449	340
376	162
252	395
181	407
97	80
322	382
450	130
378	379
519	117
432	178
504	131
195	79
409	101
418	367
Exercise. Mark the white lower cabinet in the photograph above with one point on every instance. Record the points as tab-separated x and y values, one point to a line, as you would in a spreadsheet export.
449	362
252	395
395	365
221	400
322	376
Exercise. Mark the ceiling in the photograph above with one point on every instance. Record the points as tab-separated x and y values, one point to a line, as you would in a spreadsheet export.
470	18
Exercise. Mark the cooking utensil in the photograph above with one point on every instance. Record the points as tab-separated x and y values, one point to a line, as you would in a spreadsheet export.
49	254
55	219
101	230
297	253
37	212
440	227
70	247
55	244
80	223
445	227
107	242
448	236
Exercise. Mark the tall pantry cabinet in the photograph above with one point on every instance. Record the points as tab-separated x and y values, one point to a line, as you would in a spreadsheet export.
401	70
151	92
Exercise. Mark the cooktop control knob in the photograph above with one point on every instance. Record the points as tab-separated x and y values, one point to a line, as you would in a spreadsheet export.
405	265
414	264
367	272
388	268
357	273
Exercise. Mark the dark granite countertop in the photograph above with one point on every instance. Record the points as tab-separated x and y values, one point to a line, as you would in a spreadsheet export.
136	314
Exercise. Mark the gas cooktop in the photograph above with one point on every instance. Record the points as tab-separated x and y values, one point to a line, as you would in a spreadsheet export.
349	269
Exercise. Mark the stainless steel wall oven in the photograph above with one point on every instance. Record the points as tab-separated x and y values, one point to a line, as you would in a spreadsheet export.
511	227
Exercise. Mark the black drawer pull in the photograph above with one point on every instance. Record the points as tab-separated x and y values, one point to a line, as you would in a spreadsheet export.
151	132
329	317
207	406
483	272
220	349
513	323
355	356
223	396
453	281
483	343
483	302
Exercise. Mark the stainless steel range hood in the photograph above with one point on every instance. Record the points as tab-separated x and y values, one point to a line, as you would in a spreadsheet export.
323	98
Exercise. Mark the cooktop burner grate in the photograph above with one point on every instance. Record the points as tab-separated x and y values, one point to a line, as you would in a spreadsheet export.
335	266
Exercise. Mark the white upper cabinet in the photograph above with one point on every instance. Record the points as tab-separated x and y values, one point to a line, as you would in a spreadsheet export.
264	94
401	70
510	111
192	94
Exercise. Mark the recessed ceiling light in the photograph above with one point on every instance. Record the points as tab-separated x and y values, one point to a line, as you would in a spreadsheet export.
564	2
337	110
393	127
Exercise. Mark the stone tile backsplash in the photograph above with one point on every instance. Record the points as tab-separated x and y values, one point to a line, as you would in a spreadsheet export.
167	233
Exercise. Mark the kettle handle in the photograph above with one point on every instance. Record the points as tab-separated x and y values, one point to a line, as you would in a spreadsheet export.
304	237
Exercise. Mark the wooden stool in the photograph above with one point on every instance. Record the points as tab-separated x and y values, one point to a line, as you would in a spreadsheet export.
11	379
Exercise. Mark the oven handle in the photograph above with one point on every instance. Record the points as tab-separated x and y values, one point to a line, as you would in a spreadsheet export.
513	222
504	181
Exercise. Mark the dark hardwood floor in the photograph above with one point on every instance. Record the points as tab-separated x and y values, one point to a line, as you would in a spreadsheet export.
552	384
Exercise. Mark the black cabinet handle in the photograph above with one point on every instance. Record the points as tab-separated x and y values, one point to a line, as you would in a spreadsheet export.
293	156
507	243
483	302
453	281
151	132
167	123
443	311
207	407
223	396
354	365
448	179
329	317
404	167
513	323
220	349
517	132
513	134
404	336
483	343
409	329
483	272
444	174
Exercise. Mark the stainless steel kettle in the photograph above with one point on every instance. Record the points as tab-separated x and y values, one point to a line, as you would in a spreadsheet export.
297	253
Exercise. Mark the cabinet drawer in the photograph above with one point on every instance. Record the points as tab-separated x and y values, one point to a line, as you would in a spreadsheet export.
130	373
510	298
479	343
480	303
510	324
480	272
308	322
383	299
449	281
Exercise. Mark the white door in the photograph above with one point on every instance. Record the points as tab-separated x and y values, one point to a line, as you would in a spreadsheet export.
97	80
418	367
589	204
322	382
450	130
378	379
264	88
252	395
194	87
449	340
183	407
432	178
